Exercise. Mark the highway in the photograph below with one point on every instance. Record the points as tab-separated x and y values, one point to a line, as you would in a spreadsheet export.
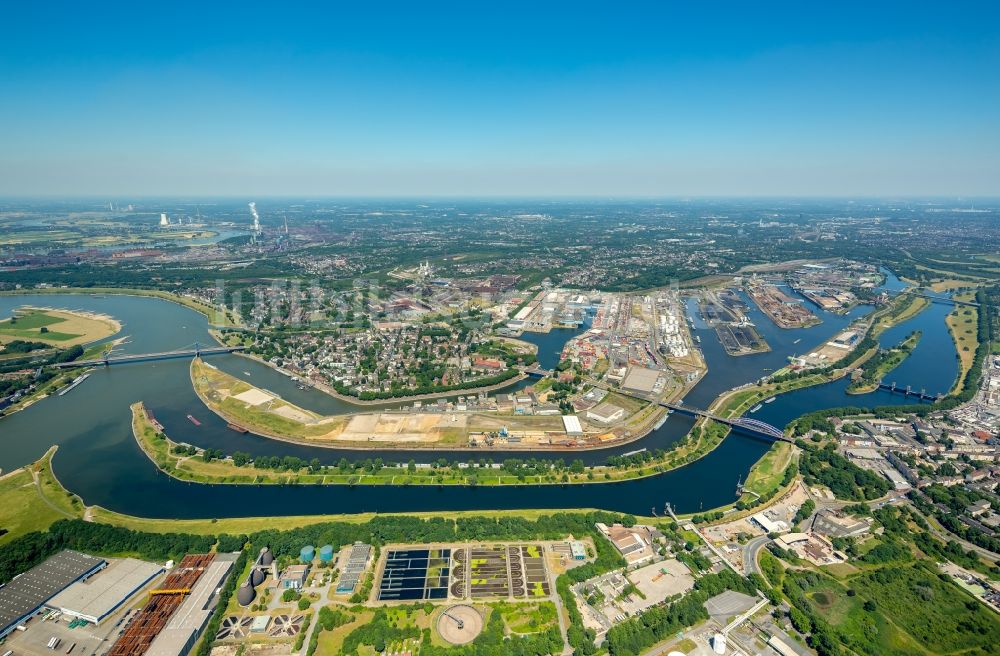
146	357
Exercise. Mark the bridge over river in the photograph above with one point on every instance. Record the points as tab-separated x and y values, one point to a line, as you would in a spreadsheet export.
754	427
747	425
193	351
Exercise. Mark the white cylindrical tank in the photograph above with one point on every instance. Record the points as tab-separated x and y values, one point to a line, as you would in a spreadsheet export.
719	643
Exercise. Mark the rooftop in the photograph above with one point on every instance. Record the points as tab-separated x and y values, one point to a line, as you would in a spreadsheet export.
26	593
105	591
640	379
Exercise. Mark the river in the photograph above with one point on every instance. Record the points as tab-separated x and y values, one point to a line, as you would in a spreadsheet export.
99	459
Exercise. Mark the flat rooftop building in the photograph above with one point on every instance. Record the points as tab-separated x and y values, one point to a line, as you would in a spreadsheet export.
769	525
357	562
26	594
294	577
606	412
572	425
640	379
100	595
834	526
186	624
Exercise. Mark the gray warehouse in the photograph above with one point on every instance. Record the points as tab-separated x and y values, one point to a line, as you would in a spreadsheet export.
26	594
99	596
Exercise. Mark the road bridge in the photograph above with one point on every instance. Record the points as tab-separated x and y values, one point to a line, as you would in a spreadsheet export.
536	371
196	352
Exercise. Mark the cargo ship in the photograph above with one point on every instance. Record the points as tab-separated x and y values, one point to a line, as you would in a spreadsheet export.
194	421
238	429
76	381
662	421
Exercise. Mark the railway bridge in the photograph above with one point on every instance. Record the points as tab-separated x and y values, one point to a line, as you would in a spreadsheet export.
753	427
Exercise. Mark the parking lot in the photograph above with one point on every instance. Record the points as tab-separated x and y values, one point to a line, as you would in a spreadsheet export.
84	638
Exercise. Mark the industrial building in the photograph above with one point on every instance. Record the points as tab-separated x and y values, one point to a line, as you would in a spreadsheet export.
187	622
635	543
833	525
264	565
185	595
293	577
769	525
99	596
640	379
572	425
357	562
606	413
26	594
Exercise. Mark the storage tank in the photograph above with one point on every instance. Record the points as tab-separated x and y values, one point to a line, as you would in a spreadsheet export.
245	594
307	553
719	643
256	577
326	553
266	557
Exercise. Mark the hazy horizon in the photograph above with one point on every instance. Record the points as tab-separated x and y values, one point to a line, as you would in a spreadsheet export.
580	100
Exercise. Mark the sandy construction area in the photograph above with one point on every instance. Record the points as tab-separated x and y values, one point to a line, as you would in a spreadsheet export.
385	427
293	413
254	396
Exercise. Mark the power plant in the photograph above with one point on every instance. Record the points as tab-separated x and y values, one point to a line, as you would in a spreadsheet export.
256	220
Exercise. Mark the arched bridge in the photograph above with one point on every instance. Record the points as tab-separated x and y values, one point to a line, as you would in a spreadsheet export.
755	427
191	351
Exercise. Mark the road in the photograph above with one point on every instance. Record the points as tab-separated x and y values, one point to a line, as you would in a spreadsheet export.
559	610
750	551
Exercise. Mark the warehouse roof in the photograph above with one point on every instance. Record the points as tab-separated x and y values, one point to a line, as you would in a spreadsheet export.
572	425
98	596
181	631
26	593
641	379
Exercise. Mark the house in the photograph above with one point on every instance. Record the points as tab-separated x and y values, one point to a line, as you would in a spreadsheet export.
978	508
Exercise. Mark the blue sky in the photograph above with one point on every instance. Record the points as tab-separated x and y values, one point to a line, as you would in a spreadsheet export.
647	99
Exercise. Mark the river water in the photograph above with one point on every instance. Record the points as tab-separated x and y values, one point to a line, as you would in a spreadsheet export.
99	459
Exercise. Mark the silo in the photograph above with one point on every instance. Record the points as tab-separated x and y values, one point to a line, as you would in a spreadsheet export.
245	595
256	577
326	553
307	553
